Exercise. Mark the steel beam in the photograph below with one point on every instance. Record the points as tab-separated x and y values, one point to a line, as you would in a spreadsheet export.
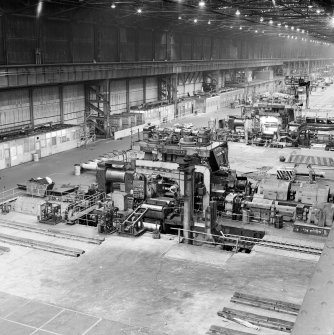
36	75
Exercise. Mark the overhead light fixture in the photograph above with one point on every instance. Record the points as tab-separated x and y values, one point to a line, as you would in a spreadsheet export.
240	28
237	12
261	19
256	31
303	31
201	4
318	11
262	31
39	8
292	28
113	5
286	26
309	6
195	20
139	10
271	21
209	22
298	29
279	24
180	17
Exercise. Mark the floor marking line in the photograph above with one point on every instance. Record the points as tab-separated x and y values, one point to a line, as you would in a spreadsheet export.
15	309
20	323
92	326
45	323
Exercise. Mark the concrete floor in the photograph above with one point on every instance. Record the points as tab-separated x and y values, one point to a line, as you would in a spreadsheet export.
136	286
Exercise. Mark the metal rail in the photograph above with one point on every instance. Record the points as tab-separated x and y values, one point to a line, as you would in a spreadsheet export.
244	242
51	232
10	195
45	246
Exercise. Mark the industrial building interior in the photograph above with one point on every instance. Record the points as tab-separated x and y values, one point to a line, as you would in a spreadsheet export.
166	167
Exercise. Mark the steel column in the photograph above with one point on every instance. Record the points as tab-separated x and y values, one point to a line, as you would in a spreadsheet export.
127	94
61	103
31	108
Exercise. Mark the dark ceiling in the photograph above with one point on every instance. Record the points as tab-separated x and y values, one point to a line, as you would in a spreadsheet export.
302	19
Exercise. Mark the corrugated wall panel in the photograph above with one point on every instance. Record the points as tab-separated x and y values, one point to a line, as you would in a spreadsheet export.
128	44
145	45
151	89
207	48
216	48
74	104
56	42
136	91
117	96
21	40
2	55
160	45
83	42
186	47
108	44
197	49
46	104
14	109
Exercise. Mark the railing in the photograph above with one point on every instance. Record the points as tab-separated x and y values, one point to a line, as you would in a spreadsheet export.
182	238
10	195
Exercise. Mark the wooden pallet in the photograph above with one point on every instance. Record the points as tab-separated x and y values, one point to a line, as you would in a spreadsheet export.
266	303
39	245
52	232
217	330
256	319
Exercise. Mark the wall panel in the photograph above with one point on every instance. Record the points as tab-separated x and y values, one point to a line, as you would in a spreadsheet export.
14	109
46	104
136	91
186	47
145	45
128	44
207	48
117	96
151	89
73	104
83	42
197	48
56	42
21	40
160	45
108	48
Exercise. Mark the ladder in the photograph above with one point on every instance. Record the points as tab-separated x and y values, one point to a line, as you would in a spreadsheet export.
133	224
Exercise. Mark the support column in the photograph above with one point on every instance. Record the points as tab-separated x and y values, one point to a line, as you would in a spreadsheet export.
127	94
61	103
106	107
173	88
144	90
188	210
31	108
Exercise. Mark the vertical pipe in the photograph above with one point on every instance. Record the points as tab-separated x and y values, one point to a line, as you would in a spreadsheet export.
144	90
127	93
61	103
4	38
31	107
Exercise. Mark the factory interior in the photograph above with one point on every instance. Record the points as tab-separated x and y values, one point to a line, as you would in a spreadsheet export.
166	167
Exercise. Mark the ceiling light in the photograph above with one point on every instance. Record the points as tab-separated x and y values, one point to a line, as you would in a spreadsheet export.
318	11
39	8
255	31
237	12
271	21
286	26
261	19
262	31
279	24
298	29
195	20
310	6
240	28
113	5
292	28
303	31
209	22
180	17
201	4
139	10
